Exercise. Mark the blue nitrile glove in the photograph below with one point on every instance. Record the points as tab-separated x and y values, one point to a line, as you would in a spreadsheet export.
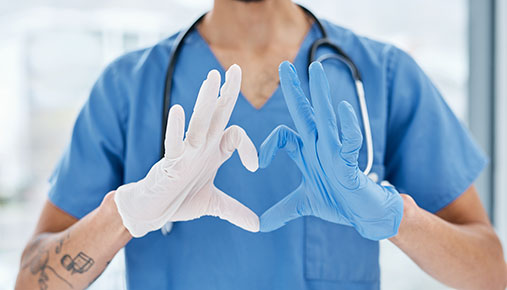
333	187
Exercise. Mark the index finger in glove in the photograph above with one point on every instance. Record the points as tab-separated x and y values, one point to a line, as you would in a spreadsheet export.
174	133
236	138
299	107
324	113
351	136
227	100
203	109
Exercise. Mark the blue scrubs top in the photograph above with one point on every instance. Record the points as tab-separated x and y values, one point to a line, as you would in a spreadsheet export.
419	145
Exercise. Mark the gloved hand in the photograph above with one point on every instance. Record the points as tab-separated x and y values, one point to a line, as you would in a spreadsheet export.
333	188
180	187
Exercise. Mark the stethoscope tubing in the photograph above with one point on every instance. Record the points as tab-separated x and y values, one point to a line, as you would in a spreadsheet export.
323	41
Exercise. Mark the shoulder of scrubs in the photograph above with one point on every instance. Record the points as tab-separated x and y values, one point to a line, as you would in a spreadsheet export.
430	155
93	162
359	48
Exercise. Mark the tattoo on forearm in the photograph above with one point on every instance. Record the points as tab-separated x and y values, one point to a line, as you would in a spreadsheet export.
59	246
39	266
36	257
79	264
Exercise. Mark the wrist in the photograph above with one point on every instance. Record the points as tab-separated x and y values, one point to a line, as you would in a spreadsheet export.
410	213
110	213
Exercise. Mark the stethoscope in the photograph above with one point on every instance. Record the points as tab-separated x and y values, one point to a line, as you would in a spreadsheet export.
323	41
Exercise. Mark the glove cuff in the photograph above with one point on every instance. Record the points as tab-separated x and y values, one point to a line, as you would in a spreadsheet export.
120	198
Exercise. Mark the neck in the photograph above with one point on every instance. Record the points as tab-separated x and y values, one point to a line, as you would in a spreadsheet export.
254	25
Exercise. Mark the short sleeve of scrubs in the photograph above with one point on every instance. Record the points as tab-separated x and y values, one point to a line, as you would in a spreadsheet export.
92	164
430	155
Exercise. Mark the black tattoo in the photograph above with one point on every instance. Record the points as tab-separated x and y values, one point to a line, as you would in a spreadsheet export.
79	264
59	246
39	265
37	259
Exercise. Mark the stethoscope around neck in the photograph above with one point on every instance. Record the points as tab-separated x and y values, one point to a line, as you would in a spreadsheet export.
321	42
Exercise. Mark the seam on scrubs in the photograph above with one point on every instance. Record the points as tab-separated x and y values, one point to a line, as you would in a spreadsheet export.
392	61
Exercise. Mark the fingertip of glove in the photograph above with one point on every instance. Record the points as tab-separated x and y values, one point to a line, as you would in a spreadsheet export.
253	166
315	66
288	76
286	67
262	226
344	107
263	159
233	78
255	228
178	109
251	224
266	228
213	75
234	69
265	225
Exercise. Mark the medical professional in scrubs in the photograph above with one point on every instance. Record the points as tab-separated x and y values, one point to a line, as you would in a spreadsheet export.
419	147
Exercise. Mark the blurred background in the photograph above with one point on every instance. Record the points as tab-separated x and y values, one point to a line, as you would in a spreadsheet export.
51	52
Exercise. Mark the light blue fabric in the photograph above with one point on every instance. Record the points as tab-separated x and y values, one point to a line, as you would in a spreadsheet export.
419	146
332	188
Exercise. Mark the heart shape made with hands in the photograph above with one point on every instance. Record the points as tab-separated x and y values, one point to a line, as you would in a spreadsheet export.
180	186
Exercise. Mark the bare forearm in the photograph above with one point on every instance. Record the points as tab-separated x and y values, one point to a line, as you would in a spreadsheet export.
74	258
467	256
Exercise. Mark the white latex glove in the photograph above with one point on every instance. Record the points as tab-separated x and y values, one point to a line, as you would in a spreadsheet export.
180	186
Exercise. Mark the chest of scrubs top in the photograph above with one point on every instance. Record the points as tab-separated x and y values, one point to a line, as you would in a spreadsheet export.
419	146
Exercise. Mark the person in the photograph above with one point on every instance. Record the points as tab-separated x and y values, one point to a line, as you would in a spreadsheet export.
321	217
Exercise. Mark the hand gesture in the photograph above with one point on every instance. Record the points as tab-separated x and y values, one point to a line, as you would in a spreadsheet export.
333	188
180	186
